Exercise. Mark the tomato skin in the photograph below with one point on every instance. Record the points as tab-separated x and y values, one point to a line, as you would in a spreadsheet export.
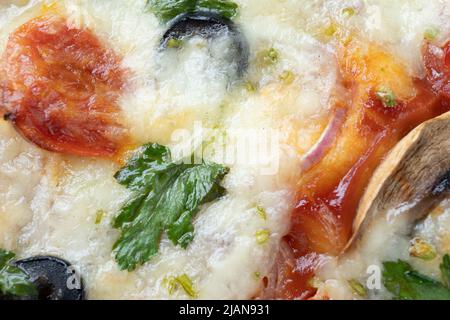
61	89
329	194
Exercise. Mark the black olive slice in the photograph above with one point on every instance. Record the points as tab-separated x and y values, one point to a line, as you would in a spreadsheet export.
55	278
209	25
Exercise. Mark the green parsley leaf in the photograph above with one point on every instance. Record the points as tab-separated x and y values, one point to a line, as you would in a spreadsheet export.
445	270
14	281
166	197
166	10
407	284
225	8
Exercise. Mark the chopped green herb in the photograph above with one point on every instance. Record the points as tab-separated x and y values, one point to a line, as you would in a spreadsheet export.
421	249
272	55
262	236
166	10
405	283
166	197
171	284
99	216
348	12
187	285
183	281
174	43
261	212
250	87
357	287
329	30
257	275
268	57
445	270
387	97
13	281
287	77
431	33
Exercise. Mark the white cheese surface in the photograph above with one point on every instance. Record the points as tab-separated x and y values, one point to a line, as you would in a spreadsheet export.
389	238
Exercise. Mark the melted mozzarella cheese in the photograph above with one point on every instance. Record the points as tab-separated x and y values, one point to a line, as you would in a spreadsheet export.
49	202
388	239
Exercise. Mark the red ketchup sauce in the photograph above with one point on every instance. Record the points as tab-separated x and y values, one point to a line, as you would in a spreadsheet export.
59	86
329	193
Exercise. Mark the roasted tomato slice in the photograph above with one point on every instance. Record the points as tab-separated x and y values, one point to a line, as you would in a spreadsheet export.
60	86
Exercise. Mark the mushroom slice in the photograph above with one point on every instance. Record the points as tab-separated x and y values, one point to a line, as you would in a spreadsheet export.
417	171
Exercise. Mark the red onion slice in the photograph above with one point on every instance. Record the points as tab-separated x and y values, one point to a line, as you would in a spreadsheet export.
320	149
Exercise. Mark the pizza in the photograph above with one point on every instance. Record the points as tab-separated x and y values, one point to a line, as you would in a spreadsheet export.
224	149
